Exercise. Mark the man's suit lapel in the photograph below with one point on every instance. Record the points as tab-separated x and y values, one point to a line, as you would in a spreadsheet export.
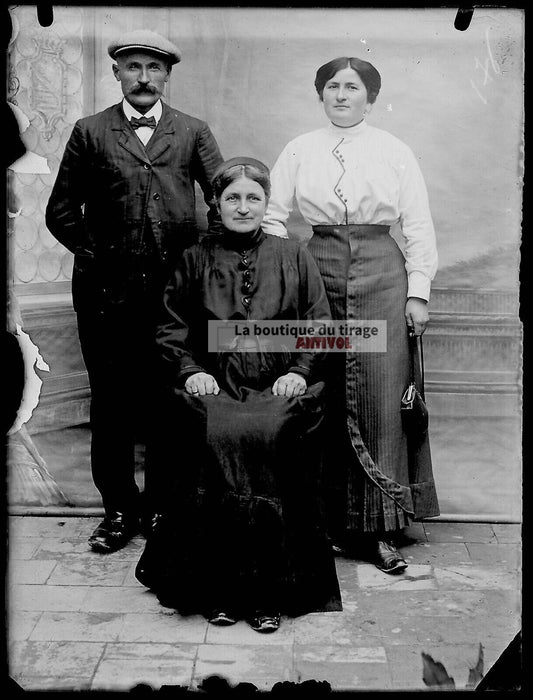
126	136
163	136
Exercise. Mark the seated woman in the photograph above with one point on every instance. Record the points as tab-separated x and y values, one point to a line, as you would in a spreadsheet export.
239	531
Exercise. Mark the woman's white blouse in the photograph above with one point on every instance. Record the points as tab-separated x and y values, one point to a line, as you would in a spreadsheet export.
357	175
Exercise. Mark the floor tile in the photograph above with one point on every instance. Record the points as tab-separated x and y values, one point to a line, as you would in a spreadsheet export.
238	663
465	604
74	659
117	599
27	526
53	683
78	627
164	626
20	624
506	557
130	578
510	533
439	629
416	577
30	597
340	628
52	548
31	571
71	571
124	666
474	577
24	547
459	532
433	554
344	654
344	669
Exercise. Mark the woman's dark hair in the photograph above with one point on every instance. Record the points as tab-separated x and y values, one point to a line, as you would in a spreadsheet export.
369	75
231	171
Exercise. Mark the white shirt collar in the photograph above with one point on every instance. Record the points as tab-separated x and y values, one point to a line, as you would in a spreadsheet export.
155	111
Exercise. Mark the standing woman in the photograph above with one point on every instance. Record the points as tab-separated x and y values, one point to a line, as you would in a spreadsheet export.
352	182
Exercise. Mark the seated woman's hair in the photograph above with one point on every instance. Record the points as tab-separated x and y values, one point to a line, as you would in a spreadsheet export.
370	77
234	168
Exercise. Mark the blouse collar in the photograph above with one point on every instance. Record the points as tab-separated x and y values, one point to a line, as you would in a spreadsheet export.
242	241
348	131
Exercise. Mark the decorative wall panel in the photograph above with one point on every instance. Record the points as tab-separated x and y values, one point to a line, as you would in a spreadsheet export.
46	76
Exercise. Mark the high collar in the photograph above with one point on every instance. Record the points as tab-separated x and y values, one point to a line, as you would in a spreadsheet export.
242	241
348	131
154	111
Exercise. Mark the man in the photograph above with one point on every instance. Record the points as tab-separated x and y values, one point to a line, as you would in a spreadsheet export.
124	204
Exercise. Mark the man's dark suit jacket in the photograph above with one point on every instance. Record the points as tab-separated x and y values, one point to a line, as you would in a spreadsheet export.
112	195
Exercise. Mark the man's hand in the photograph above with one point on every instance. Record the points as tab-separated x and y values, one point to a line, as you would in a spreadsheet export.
416	314
290	385
200	384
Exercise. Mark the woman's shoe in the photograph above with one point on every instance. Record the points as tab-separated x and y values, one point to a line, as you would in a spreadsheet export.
221	618
265	623
388	559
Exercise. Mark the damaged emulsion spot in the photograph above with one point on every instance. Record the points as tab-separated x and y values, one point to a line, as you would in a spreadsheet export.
463	18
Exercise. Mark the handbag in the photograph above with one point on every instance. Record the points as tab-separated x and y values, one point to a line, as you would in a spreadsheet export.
415	417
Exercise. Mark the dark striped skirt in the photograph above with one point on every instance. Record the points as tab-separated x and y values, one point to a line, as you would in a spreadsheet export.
375	479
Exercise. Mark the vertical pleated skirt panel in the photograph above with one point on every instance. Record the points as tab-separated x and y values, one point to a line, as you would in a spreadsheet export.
376	479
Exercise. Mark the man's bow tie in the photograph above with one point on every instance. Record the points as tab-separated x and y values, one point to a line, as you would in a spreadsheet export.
143	121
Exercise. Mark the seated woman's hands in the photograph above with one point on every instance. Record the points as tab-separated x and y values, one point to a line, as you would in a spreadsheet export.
201	384
290	384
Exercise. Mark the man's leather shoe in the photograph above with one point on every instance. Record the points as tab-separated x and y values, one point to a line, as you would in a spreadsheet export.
113	533
388	559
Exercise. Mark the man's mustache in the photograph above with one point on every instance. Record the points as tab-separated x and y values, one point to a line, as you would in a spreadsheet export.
143	88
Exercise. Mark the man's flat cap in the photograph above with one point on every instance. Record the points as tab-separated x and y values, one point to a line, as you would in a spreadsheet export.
144	40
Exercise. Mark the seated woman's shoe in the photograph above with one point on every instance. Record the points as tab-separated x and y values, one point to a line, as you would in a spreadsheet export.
387	558
265	623
113	533
221	618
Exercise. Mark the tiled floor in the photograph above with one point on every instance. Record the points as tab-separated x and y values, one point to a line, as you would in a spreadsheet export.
79	620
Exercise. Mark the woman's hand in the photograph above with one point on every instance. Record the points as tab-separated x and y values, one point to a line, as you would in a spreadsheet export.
290	385
201	384
416	314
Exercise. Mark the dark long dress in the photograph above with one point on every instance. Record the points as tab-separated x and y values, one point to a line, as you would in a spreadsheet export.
376	479
240	526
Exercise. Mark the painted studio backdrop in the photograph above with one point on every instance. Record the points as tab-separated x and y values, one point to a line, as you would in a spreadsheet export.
455	97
